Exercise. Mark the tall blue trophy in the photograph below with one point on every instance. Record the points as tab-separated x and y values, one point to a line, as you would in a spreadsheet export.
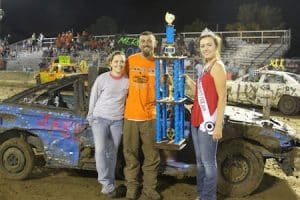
170	117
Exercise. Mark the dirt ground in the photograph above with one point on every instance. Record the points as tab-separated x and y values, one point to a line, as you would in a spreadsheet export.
55	184
65	184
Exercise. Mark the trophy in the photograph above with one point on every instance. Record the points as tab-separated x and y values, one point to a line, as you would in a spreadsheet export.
170	128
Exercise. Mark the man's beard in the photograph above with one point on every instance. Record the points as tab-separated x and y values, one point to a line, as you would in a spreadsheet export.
147	53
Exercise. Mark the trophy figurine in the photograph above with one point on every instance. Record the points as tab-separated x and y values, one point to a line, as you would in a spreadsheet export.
169	49
170	130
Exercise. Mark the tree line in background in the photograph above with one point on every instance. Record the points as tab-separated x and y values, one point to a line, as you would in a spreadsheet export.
251	16
256	17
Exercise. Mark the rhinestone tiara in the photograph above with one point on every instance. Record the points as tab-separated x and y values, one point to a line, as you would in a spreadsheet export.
207	32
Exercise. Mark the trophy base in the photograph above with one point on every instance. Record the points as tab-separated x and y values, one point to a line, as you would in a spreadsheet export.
170	145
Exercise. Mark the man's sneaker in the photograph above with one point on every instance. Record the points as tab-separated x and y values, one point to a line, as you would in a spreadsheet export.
198	198
151	194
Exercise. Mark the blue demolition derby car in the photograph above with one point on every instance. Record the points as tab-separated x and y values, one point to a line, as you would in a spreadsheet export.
45	125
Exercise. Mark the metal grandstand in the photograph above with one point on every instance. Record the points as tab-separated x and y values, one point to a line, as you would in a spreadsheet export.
240	47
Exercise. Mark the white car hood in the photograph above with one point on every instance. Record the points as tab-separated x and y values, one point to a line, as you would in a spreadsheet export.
246	116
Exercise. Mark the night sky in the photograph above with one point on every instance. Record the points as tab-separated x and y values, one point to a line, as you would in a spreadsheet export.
22	17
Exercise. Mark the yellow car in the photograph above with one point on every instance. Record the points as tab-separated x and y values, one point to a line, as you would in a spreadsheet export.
60	69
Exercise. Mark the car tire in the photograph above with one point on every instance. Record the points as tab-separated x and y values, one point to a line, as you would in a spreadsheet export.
288	105
16	159
298	106
240	168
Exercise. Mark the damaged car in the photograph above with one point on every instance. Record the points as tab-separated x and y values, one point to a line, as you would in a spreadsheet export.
282	89
46	126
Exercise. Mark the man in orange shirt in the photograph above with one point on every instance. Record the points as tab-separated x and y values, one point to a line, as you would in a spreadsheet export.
139	123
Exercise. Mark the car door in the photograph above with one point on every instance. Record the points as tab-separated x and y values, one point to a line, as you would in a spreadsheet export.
247	89
55	114
272	86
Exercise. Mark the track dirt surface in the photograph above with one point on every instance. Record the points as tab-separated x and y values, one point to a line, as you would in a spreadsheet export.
55	184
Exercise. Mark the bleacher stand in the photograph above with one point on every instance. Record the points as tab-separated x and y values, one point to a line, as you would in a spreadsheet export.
240	52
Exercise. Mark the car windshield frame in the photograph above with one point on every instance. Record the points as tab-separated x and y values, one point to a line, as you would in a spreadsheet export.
296	77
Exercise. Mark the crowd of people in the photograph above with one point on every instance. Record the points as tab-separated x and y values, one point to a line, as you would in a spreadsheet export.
34	43
68	42
6	52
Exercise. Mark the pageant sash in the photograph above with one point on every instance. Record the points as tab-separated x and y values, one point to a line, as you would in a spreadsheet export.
208	124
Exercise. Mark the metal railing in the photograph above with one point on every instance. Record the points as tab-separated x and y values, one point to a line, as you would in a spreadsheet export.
263	36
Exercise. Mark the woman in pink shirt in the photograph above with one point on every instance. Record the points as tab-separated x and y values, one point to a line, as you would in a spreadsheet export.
106	111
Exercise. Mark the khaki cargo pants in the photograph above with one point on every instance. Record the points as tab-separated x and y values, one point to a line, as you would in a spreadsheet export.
140	135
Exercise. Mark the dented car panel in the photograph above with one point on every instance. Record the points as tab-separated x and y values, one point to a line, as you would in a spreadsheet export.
281	89
270	133
56	130
57	127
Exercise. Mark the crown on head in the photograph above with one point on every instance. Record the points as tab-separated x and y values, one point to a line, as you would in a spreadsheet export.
207	32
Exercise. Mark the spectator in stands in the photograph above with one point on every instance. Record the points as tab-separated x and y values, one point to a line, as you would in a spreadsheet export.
58	43
198	66
111	43
228	71
191	48
105	116
180	43
2	50
95	58
40	40
93	43
33	42
68	41
207	114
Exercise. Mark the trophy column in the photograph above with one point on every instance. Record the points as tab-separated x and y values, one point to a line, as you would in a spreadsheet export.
170	116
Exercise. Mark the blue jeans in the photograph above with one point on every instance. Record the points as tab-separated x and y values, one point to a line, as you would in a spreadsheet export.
107	136
207	174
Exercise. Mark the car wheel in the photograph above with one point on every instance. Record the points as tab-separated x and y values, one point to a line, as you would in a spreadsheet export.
16	159
240	168
288	105
298	106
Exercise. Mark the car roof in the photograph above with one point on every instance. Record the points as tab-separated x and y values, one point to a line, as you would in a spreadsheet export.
272	72
276	72
48	85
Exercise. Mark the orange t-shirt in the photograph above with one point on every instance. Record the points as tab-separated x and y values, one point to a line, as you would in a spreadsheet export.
140	103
